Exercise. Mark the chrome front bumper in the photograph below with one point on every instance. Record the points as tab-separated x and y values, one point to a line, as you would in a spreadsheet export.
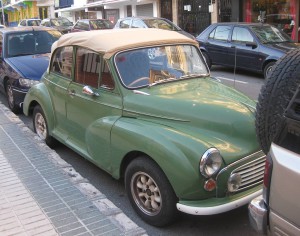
258	213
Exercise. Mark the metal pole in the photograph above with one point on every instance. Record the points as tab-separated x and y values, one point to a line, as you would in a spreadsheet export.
3	16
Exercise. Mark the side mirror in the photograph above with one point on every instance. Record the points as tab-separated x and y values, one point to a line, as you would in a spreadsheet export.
251	44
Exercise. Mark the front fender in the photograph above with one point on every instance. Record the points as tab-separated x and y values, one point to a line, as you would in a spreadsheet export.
178	154
38	94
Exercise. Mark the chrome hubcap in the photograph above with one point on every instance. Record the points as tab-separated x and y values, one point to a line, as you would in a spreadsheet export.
40	126
146	193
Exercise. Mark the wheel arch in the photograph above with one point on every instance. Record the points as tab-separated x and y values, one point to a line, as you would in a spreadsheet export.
177	156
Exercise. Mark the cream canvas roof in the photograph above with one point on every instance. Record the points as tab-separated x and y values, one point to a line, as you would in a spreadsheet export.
111	41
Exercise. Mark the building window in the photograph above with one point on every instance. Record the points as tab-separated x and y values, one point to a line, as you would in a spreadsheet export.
282	14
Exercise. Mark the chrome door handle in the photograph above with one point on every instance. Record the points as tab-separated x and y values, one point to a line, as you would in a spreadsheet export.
71	92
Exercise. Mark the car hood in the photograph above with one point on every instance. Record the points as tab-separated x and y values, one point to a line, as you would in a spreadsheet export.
216	115
284	47
30	66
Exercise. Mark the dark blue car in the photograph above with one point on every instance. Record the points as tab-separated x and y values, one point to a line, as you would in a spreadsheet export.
25	53
249	46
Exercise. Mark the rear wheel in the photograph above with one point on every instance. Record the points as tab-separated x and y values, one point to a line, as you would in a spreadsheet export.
40	126
10	99
275	96
150	192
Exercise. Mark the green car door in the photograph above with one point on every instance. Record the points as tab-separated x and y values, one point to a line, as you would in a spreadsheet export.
92	106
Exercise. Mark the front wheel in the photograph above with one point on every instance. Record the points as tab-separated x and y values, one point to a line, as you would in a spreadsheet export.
11	100
150	192
40	126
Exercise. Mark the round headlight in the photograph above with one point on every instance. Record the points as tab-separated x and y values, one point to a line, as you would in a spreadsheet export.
211	162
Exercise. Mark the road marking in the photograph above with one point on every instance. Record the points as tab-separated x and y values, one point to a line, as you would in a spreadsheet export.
237	81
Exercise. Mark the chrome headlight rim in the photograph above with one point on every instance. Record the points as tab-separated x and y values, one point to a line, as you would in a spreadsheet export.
206	158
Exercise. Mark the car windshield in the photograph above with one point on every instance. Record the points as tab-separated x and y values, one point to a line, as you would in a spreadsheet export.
101	24
61	22
33	22
155	65
29	43
270	34
160	24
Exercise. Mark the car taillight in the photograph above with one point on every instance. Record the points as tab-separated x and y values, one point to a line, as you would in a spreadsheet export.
267	178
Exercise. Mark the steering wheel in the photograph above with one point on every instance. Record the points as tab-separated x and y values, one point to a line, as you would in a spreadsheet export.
139	80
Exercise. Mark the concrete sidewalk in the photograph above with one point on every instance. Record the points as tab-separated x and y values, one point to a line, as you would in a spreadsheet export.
40	194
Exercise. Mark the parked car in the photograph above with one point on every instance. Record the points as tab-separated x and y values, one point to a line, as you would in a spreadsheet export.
146	110
150	22
61	24
276	212
30	22
250	46
92	24
24	58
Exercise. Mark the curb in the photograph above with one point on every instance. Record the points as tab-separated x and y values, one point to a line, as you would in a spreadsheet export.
105	206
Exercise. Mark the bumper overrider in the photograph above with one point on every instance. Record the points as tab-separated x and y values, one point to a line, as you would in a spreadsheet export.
258	212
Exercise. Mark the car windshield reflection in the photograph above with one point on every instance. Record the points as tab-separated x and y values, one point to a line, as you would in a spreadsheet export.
270	34
156	65
30	43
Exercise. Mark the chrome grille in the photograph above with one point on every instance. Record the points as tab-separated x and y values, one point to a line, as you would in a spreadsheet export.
252	173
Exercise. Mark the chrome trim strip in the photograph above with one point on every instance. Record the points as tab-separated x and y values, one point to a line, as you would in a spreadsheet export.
140	92
151	115
220	208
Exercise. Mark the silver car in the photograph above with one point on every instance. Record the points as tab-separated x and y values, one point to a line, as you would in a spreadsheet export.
277	211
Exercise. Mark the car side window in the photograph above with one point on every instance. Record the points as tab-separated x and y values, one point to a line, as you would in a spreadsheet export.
82	25
221	33
88	66
125	24
240	34
138	24
23	23
62	61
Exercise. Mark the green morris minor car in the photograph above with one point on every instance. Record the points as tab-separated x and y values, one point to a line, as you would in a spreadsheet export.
141	105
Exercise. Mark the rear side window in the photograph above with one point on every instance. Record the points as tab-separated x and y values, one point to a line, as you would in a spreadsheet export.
138	24
62	60
220	33
125	24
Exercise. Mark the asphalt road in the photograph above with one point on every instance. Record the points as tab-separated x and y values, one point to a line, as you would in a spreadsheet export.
231	223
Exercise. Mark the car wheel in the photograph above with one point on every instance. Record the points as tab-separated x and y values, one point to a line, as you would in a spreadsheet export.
11	100
268	69
207	59
275	96
150	193
40	126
